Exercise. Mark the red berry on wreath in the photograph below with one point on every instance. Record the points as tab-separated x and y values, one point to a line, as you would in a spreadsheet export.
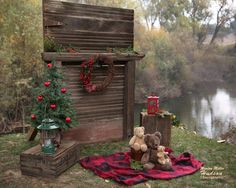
91	61
85	82
81	76
63	90
47	84
83	65
33	116
68	119
49	65
53	106
40	98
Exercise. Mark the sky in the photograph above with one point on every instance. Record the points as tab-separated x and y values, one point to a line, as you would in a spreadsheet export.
214	8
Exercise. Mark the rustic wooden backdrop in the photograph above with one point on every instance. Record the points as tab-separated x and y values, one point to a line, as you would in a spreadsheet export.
107	115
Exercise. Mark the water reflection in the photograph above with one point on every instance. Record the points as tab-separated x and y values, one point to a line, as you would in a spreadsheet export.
210	112
216	114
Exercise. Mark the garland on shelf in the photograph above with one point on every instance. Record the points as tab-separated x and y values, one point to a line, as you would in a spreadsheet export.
86	71
51	45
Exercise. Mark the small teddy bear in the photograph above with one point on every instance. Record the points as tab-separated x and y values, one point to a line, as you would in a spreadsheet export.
162	156
137	141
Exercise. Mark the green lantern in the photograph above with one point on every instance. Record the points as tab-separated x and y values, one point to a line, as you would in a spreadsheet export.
49	132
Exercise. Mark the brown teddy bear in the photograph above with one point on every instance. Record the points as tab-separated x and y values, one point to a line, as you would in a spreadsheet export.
137	141
149	159
163	157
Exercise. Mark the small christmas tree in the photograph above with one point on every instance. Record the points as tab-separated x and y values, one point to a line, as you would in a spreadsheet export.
52	99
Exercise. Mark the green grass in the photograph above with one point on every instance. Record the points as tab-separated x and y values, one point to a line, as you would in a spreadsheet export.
209	151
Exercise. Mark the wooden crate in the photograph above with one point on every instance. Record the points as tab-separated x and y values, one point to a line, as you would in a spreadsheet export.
35	163
153	123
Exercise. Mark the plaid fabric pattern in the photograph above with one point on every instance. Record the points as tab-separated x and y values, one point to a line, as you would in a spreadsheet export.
117	167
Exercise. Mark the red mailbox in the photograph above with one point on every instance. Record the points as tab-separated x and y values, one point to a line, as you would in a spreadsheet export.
152	105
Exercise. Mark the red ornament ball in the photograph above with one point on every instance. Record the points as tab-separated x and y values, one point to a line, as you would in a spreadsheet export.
33	116
68	119
40	98
63	90
49	65
47	84
53	106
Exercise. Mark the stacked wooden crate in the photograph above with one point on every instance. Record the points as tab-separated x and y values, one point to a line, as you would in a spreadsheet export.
35	163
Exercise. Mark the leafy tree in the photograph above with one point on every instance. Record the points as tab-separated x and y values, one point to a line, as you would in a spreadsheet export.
151	11
174	14
163	68
224	14
200	16
169	14
20	47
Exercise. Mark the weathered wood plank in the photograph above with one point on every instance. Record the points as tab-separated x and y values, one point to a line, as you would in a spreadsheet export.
83	33
98	76
78	98
78	85
101	9
109	117
89	133
53	12
116	91
95	102
101	107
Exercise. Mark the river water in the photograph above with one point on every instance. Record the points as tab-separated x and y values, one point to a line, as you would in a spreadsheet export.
210	112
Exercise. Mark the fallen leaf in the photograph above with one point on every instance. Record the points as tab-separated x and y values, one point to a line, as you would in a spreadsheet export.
221	141
107	181
147	185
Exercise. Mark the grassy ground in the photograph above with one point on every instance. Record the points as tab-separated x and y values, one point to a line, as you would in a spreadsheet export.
213	154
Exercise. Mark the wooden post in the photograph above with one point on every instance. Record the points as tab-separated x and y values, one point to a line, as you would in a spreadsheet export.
32	133
153	123
129	99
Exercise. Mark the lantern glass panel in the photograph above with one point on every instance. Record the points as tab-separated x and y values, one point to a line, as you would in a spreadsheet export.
47	142
49	131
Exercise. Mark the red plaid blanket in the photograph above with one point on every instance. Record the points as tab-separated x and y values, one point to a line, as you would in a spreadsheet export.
117	167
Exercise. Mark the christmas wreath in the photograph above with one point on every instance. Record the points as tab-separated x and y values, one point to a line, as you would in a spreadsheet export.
86	71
